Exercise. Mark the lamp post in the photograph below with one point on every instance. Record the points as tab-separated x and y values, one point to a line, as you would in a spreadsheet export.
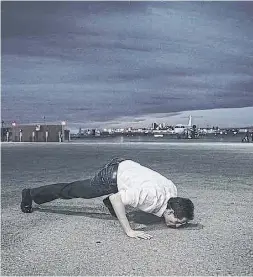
45	126
63	123
2	131
20	135
13	127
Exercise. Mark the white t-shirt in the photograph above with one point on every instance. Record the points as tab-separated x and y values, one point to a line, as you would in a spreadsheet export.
143	188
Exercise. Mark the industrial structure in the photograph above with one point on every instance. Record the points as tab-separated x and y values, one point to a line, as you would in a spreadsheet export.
35	132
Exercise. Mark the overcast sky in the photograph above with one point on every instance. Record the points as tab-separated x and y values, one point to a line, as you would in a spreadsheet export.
95	64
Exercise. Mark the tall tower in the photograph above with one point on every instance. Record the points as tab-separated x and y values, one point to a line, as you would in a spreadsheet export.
154	126
190	121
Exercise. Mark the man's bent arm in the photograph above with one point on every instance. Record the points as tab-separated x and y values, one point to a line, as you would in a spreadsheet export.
120	211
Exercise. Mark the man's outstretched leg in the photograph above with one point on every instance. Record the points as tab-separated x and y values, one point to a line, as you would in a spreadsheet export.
103	183
78	189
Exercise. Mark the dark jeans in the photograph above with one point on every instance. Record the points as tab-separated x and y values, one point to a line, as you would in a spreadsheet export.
103	183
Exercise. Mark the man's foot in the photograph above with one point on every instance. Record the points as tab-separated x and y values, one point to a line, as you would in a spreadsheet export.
108	204
26	203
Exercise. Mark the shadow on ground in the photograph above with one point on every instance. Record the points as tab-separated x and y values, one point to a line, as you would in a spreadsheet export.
152	222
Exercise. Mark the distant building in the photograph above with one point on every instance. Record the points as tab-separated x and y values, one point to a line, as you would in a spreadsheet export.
37	133
154	126
162	126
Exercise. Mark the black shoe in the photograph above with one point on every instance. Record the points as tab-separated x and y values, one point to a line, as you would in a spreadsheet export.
26	204
108	204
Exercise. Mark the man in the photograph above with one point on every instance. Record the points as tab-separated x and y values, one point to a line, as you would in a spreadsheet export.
127	183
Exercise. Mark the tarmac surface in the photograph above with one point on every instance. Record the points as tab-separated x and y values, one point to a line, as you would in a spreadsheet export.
80	237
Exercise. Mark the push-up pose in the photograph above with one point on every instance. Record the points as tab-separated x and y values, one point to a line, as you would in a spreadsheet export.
127	183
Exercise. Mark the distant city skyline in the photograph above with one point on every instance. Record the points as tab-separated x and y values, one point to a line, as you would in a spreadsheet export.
100	64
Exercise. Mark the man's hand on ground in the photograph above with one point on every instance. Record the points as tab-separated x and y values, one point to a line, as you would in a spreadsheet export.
120	212
138	235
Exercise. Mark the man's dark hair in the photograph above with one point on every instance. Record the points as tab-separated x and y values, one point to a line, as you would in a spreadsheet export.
182	207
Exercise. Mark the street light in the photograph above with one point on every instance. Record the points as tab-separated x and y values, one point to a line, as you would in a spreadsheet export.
63	123
20	135
12	133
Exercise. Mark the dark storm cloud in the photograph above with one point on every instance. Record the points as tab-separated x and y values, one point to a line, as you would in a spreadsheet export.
98	61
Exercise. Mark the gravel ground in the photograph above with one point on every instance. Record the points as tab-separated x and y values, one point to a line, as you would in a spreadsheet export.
79	237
